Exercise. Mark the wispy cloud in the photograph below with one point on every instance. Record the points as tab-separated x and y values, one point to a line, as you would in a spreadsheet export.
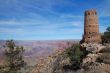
71	16
47	18
104	9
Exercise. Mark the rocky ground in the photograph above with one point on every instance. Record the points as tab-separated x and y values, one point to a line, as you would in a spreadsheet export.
96	61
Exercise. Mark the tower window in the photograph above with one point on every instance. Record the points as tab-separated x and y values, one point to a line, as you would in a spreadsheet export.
95	13
88	13
89	32
88	37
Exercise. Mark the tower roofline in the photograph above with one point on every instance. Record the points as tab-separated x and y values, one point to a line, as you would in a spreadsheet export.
91	10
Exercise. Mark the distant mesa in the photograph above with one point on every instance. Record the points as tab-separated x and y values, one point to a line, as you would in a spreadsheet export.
91	27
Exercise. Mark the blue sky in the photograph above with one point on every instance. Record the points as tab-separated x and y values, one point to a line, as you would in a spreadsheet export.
48	19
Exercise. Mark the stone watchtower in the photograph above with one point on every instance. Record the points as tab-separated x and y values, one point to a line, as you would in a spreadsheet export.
91	27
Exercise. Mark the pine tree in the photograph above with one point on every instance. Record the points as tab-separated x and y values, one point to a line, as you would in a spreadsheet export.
106	37
14	57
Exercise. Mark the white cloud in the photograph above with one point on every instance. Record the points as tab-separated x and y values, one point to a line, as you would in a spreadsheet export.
12	31
78	23
71	16
21	22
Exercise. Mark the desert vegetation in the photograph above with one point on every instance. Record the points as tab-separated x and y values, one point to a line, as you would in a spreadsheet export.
106	36
13	58
75	55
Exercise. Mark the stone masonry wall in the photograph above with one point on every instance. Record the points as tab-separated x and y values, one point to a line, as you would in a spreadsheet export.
91	27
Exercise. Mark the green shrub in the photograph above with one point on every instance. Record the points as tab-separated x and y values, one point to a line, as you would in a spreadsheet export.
75	55
14	58
106	36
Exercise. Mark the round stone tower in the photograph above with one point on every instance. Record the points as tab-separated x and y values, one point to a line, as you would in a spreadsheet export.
91	27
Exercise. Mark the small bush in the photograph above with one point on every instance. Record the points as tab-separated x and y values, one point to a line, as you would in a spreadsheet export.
106	36
75	55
